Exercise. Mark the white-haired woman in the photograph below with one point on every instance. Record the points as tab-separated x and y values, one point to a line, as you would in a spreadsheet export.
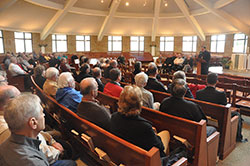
66	94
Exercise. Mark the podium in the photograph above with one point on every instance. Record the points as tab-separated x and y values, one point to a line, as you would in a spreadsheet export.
198	63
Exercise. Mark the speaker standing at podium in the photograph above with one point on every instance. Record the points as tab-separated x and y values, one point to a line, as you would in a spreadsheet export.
205	56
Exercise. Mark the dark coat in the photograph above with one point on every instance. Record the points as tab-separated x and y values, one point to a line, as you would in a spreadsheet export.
137	131
182	108
154	84
94	113
210	94
100	84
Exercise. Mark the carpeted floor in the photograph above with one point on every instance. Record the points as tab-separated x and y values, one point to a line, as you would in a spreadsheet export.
241	154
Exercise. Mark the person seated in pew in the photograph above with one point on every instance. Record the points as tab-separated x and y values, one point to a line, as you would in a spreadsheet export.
26	121
52	151
113	87
39	73
97	74
178	62
181	75
66	94
130	126
188	64
14	68
112	64
210	94
176	105
89	107
141	80
168	64
153	82
137	67
54	61
50	85
6	92
84	72
64	66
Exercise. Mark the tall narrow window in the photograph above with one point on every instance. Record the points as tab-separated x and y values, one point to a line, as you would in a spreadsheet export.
114	43
218	43
240	43
1	42
82	43
166	43
137	43
23	42
189	43
59	43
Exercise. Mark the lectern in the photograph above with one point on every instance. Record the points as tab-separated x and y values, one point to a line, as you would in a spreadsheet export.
198	63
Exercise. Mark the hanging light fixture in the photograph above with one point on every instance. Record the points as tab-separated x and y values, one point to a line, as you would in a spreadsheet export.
165	3
127	3
102	1
145	3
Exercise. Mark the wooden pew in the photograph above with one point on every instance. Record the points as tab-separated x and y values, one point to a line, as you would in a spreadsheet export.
204	149
241	101
73	126
227	126
17	81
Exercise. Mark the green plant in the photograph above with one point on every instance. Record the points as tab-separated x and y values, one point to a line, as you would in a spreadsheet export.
226	62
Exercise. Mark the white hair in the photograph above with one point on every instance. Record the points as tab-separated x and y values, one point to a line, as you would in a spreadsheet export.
51	72
141	79
66	80
20	109
151	65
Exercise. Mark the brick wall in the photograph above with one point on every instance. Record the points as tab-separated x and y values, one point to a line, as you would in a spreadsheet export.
102	46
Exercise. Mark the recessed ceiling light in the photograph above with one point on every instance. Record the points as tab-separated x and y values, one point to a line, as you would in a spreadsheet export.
102	1
166	4
127	3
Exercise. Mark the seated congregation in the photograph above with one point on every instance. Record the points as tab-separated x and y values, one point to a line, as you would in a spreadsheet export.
24	134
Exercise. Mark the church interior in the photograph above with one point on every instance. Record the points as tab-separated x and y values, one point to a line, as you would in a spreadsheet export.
111	74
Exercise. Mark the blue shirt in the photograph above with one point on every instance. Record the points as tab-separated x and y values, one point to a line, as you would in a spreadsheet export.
69	97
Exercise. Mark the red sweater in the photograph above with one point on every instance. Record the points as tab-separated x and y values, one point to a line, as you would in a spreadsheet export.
112	89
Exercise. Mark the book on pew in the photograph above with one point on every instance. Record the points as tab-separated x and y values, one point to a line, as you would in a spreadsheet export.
89	141
104	156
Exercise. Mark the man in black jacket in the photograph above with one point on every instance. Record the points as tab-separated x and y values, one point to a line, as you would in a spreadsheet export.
153	83
210	94
176	105
205	56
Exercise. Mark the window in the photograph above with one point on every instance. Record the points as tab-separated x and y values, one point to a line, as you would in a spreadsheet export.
114	43
1	42
137	43
218	43
82	43
189	43
59	43
240	43
23	42
166	43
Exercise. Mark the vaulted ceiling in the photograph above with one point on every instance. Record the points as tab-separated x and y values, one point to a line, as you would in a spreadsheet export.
113	17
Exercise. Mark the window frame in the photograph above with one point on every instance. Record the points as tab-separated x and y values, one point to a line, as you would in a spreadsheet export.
244	46
24	39
112	43
56	51
84	42
166	41
139	41
1	38
192	41
216	43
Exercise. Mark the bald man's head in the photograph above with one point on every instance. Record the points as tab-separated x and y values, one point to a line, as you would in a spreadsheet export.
7	92
88	85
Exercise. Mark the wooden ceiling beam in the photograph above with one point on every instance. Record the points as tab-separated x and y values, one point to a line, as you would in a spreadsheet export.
193	22
56	19
231	20
108	18
155	19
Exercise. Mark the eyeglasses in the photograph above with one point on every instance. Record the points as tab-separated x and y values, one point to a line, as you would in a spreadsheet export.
5	80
